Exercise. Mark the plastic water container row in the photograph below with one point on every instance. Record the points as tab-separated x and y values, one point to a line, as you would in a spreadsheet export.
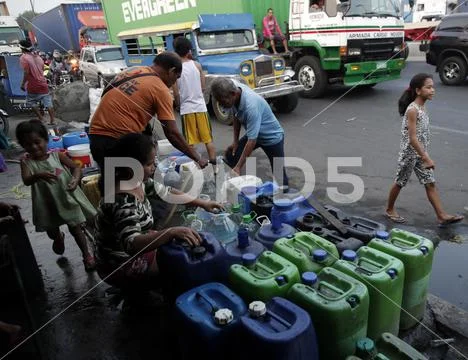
215	323
266	275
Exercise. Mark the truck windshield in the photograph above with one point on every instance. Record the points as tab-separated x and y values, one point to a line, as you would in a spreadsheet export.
10	36
98	36
109	55
371	8
225	39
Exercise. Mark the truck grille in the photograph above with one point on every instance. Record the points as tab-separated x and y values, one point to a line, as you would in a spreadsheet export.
264	68
374	49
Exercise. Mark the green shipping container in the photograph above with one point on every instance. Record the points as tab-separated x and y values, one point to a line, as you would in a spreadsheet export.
384	276
416	253
309	252
339	306
262	279
136	14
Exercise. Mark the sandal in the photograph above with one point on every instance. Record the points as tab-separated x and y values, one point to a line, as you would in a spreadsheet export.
89	263
58	246
452	220
395	218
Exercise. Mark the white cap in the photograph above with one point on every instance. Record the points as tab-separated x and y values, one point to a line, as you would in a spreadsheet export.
257	308
223	316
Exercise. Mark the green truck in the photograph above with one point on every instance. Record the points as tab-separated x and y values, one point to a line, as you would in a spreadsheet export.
355	42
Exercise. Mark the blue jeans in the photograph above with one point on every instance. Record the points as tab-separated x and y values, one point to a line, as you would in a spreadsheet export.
272	151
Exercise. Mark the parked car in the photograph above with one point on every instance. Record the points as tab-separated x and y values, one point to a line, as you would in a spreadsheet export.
448	49
99	64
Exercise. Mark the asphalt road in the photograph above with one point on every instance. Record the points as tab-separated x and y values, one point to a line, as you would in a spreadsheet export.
365	123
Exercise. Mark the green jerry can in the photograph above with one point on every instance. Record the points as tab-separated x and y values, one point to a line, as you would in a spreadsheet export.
309	252
384	276
339	307
388	347
416	253
264	277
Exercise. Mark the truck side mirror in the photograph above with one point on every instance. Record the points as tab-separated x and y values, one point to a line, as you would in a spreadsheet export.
331	8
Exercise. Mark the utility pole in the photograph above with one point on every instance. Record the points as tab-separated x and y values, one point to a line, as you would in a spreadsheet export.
32	6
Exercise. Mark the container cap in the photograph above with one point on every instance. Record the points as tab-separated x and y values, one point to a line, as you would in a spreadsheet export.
280	280
319	255
424	249
223	316
247	219
257	309
383	235
349	255
199	251
56	138
249	259
365	345
83	134
318	230
235	208
392	273
309	278
242	238
282	203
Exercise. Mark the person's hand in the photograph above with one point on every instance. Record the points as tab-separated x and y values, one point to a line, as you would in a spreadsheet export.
186	234
236	170
428	163
72	185
47	176
202	163
271	37
9	209
231	150
6	220
212	206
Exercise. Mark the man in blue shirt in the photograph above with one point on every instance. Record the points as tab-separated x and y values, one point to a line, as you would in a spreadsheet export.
262	129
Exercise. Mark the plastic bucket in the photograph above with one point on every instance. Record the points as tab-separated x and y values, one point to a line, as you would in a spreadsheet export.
80	154
75	138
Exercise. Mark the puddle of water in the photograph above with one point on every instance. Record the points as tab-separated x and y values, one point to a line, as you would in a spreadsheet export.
449	278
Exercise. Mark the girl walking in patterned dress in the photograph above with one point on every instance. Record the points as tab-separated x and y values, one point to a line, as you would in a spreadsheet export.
414	149
56	198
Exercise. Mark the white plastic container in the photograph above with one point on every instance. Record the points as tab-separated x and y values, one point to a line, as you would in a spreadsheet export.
232	187
80	154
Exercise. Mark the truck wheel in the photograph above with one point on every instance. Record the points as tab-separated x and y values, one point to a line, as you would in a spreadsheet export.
310	74
221	115
452	71
286	104
85	80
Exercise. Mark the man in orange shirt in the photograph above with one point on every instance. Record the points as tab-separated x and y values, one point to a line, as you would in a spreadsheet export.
130	101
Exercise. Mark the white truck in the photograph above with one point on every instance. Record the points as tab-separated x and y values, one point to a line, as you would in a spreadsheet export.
10	36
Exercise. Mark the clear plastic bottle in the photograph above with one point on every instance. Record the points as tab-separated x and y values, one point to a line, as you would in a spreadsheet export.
249	224
172	177
236	214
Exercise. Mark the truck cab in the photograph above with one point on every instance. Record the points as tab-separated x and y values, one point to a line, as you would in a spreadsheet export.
351	42
10	36
225	45
100	64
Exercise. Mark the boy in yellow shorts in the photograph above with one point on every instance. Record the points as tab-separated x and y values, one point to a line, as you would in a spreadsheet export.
188	93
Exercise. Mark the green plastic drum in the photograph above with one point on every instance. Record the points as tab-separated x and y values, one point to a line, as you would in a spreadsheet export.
384	276
309	252
416	253
262	279
338	305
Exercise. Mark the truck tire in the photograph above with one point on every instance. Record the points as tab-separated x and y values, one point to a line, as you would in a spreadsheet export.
221	116
286	103
310	74
453	71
